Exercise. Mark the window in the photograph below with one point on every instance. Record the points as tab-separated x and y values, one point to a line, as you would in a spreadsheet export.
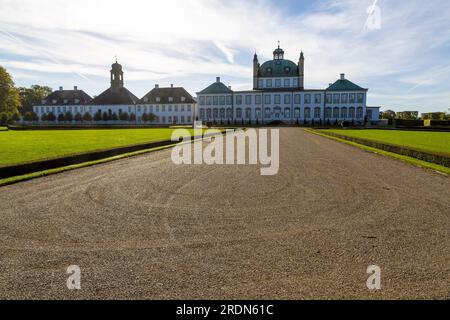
287	83
229	113
157	108
297	99
222	113
170	108
351	98
287	113
183	99
344	113
359	113
307	113
269	83
222	100
328	113
145	109
287	99
267	99
336	98
248	113
351	113
182	119
336	112
307	99
278	83
66	101
202	101
164	119
260	83
216	113
369	114
163	108
208	113
229	100
176	108
189	108
248	100
277	99
258	113
328	98
267	113
202	113
344	98
170	99
258	99
238	113
158	99
297	113
215	100
138	109
317	112
208	101
295	83
239	100
318	98
360	98
182	108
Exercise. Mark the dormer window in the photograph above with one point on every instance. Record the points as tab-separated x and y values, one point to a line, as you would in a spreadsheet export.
66	101
54	101
158	99
77	101
183	99
145	99
44	101
170	99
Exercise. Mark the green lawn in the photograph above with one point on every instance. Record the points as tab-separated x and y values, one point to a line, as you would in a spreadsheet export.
420	140
25	146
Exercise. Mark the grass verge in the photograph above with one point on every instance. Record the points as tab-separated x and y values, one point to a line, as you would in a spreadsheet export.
413	161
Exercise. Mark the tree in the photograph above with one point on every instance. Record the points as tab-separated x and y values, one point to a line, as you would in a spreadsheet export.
132	117
114	117
28	117
151	117
51	117
9	94
44	117
144	117
105	116
61	117
34	117
15	117
32	95
69	116
408	115
78	117
124	116
388	114
87	117
4	118
98	116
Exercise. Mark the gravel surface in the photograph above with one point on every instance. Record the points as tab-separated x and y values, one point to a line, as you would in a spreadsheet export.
143	228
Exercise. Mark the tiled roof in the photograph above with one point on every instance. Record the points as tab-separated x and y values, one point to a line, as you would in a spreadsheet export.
119	96
164	94
69	97
216	88
344	85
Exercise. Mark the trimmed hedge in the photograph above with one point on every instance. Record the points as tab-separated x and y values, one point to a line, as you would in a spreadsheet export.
443	123
436	158
409	123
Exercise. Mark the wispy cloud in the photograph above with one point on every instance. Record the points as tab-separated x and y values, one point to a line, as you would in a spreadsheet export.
189	42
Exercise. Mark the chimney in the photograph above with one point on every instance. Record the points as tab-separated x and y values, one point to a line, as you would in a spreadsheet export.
342	76
61	88
229	87
75	88
171	85
156	86
218	79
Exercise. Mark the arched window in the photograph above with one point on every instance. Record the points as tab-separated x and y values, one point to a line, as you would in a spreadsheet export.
248	113
258	113
216	113
222	113
351	113
359	113
344	113
297	113
267	112
317	112
328	113
336	112
307	113
229	113
287	113
208	114
238	113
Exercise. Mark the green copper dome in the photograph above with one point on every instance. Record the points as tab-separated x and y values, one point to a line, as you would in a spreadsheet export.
278	68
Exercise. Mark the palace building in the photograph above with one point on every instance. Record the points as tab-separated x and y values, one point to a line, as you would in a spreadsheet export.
116	105
279	96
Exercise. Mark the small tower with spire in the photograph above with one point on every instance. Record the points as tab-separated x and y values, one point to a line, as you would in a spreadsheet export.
301	71
256	67
116	76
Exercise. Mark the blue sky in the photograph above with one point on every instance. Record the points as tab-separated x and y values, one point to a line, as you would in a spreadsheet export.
405	63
